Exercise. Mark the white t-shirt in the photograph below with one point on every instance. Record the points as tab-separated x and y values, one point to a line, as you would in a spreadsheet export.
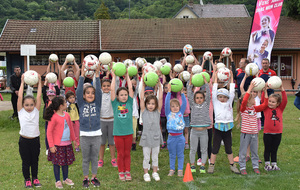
29	123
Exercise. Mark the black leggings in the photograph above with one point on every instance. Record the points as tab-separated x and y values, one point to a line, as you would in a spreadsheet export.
164	131
65	171
218	137
29	150
209	146
272	142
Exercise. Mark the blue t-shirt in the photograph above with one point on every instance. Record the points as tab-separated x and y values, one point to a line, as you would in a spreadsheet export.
66	133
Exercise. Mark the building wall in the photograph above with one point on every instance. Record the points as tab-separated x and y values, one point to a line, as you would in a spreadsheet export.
186	12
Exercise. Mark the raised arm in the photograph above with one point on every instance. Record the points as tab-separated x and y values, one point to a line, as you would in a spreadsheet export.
39	94
98	97
79	90
190	93
142	101
129	84
183	105
63	68
243	83
161	92
113	86
167	101
284	98
20	95
77	70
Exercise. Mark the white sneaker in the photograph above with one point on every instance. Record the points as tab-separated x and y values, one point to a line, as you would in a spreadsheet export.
147	177
47	152
155	176
199	162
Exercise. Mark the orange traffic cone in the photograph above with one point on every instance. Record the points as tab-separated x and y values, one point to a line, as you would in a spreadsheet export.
188	174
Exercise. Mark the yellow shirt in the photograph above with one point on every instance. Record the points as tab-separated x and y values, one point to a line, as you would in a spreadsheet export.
73	112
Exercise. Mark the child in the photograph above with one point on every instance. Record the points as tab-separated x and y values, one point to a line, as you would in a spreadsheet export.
60	133
222	101
122	102
89	103
48	96
186	117
249	129
70	73
200	120
273	128
107	124
175	126
73	111
29	141
151	136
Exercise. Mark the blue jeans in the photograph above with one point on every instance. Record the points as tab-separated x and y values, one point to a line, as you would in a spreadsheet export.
176	148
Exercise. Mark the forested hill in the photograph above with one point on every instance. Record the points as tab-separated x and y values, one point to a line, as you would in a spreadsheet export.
111	9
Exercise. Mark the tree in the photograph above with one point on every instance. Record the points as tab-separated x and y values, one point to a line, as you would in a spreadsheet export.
292	8
102	12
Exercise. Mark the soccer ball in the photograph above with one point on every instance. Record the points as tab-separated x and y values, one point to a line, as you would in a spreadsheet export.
168	64
207	55
165	69
105	67
226	52
128	62
151	79
187	48
178	68
70	58
89	74
197	80
157	64
90	62
31	77
148	67
140	61
274	82
184	76
220	65
105	58
259	84
119	69
206	75
132	70
196	69
251	69
53	58
51	77
176	85
223	74
68	82
189	59
163	61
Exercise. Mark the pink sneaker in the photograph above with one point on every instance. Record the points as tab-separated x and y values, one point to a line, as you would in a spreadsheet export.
122	176
100	163
128	176
114	163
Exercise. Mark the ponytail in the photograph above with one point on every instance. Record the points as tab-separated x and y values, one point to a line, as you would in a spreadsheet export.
54	106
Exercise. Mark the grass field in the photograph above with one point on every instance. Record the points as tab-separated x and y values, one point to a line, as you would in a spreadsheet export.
288	160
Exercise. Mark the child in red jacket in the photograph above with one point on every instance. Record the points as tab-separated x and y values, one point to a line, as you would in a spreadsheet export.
60	135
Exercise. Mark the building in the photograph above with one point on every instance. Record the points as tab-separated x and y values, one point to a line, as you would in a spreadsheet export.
201	10
150	38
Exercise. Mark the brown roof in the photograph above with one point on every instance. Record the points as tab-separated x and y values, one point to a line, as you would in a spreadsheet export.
142	34
50	35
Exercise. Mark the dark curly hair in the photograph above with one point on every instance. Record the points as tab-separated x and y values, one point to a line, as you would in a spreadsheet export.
54	106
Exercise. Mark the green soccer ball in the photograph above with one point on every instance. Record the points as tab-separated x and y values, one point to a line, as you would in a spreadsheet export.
198	80
132	70
68	82
165	69
206	76
119	69
151	79
176	85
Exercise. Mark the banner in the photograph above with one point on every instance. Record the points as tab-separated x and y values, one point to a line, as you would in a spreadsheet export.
263	31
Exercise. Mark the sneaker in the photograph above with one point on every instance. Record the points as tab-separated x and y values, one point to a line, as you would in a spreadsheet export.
193	169
47	152
180	173
199	162
187	146
171	173
86	183
95	182
256	170
202	170
58	185
211	169
234	169
247	158
122	176
28	183
243	172
259	161
77	149
275	167
268	167
155	176
100	163
37	183
114	163
128	176
133	147
68	182
147	177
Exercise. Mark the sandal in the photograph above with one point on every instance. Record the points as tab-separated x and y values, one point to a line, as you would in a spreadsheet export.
171	173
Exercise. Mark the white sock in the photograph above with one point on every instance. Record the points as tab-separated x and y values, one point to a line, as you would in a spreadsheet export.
267	163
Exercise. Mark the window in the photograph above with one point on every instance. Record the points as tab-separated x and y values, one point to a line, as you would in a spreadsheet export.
39	60
62	58
153	58
2	58
282	65
185	16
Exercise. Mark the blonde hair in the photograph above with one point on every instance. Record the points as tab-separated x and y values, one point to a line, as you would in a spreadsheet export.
175	101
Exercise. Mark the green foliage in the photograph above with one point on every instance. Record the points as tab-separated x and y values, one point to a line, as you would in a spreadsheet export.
102	12
292	8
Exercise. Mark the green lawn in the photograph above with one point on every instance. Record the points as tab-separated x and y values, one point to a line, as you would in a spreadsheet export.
288	155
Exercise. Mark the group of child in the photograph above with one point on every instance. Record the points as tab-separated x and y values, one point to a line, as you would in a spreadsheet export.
107	111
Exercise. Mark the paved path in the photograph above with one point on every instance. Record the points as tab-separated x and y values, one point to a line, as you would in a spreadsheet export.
5	105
